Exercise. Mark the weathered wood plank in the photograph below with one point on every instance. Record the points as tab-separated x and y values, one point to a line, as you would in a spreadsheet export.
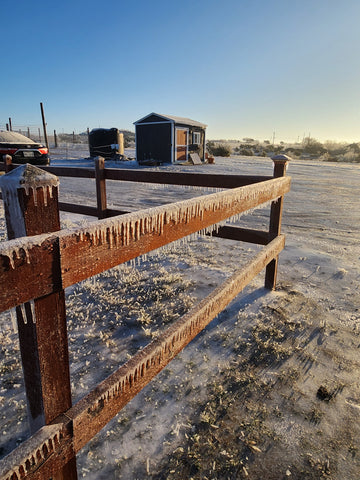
191	179
170	178
78	172
26	269
31	208
41	456
95	410
87	210
280	166
239	234
83	255
100	187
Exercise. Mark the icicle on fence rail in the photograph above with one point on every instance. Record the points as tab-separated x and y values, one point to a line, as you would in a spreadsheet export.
106	243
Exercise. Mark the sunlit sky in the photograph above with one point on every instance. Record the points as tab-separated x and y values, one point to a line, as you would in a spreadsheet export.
246	68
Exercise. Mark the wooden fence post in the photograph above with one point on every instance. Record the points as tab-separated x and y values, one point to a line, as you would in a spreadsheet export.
100	187
280	164
7	163
44	125
31	207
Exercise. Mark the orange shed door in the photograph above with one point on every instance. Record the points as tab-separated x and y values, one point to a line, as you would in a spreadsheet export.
181	148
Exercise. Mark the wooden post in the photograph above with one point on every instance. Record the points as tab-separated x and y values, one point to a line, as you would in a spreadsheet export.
28	132
32	195
7	163
55	139
44	125
280	164
10	125
100	187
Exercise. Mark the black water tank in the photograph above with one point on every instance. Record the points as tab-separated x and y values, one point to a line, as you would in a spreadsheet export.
105	142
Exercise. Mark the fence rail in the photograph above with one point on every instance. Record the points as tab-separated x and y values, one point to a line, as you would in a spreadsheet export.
51	262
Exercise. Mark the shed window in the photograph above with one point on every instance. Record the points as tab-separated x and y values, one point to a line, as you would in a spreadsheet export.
196	138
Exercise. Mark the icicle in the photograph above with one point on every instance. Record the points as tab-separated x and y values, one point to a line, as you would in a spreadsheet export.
23	313
32	306
13	320
16	216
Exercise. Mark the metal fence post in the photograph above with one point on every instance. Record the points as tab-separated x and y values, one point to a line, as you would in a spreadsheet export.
31	207
100	187
280	164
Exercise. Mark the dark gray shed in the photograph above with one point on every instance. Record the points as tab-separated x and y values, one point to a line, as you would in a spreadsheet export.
168	139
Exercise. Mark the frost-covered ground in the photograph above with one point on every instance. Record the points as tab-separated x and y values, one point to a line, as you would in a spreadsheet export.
241	401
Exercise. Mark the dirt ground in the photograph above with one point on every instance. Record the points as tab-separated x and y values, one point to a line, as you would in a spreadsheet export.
287	404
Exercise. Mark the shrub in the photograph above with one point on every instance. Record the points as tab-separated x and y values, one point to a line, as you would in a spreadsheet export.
218	150
313	147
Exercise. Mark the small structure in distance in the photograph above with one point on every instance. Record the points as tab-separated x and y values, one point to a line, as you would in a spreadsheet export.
107	143
168	139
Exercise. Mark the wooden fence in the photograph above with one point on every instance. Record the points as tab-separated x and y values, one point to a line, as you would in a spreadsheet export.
35	270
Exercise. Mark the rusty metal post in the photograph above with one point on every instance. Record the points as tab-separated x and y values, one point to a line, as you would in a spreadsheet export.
31	207
100	187
280	165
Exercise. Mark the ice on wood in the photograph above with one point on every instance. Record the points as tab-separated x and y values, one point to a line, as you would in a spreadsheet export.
29	178
13	249
33	452
120	231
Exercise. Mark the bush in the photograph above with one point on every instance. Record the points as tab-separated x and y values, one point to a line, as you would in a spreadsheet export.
247	152
218	150
313	147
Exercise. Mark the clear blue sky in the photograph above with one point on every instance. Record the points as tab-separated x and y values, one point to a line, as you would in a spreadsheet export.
246	68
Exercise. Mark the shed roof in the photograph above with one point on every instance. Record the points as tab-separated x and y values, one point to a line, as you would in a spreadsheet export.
173	119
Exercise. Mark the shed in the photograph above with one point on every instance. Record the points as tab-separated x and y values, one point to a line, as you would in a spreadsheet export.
168	139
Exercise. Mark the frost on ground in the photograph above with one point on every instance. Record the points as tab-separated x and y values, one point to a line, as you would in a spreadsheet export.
269	390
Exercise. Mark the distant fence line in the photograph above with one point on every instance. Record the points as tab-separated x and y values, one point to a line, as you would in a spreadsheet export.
35	132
